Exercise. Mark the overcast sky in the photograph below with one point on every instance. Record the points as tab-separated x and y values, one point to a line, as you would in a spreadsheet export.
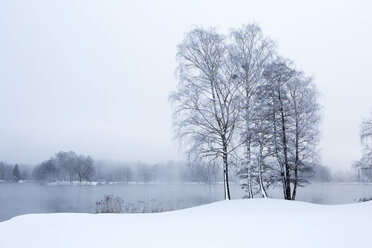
94	76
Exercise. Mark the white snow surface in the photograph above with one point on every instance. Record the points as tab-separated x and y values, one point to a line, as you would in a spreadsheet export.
238	223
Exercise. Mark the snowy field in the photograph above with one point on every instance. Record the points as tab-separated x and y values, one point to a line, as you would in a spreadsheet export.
237	223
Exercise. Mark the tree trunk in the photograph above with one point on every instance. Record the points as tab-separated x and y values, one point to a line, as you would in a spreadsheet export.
295	185
248	141
249	170
278	156
287	183
296	165
226	174
263	191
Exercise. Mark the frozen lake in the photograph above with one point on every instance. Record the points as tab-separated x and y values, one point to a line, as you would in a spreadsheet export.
23	198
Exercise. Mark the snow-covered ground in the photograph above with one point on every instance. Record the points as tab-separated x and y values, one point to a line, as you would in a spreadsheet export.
238	223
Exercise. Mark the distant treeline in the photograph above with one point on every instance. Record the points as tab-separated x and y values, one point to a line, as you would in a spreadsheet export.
65	166
69	166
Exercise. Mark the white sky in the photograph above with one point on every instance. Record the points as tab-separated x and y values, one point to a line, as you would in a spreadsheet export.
94	76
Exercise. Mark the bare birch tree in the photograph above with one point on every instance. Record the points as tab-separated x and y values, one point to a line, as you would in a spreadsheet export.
206	106
295	123
277	76
249	51
364	165
266	171
305	110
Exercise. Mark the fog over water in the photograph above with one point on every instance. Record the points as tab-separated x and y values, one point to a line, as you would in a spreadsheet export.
24	198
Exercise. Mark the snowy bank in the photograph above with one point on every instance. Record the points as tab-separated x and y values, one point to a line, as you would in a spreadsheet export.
238	223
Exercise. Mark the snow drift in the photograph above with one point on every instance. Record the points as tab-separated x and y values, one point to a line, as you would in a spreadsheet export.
237	223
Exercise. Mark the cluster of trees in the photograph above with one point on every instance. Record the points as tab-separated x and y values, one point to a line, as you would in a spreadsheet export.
363	167
69	166
239	104
9	172
65	166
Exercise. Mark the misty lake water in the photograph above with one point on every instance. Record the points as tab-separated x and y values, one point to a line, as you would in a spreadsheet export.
24	198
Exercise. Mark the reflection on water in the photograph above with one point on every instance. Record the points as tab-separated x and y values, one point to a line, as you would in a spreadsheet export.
23	198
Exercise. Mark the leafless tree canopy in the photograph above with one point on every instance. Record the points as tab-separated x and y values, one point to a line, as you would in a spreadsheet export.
240	104
206	106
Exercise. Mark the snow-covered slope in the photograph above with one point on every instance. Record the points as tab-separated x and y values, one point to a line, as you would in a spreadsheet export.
238	223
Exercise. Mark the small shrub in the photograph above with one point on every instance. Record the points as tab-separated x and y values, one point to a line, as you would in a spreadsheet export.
113	204
110	204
